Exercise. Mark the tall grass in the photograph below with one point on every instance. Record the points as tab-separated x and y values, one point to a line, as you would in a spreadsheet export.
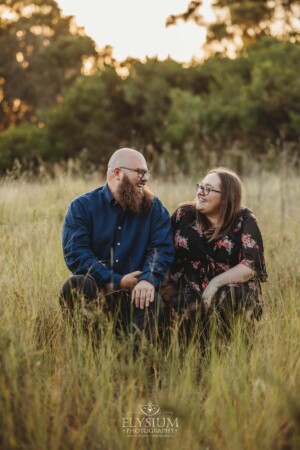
60	390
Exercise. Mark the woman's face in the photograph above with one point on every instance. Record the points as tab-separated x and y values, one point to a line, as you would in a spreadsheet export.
209	204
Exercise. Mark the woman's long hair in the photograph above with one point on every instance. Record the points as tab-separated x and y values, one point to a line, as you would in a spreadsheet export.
231	197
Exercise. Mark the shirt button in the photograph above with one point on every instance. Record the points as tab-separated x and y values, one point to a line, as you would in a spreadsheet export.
117	260
120	228
118	243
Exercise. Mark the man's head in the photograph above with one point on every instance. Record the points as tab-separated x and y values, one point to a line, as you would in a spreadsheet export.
127	175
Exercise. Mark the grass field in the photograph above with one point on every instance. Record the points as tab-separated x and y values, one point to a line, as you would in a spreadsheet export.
57	392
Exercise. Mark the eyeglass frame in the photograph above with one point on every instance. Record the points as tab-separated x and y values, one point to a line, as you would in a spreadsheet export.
207	189
138	171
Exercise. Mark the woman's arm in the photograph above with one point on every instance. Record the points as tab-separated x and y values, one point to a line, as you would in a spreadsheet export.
237	274
251	263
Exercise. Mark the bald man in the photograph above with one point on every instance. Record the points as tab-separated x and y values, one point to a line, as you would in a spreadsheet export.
117	242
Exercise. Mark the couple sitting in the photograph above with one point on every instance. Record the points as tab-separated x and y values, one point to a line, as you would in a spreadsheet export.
120	245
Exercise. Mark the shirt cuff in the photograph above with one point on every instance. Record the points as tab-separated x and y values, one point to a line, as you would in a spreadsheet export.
149	276
117	280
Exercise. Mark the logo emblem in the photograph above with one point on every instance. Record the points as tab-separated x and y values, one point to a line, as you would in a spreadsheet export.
150	409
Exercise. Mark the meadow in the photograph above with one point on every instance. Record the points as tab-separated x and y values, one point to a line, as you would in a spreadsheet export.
58	391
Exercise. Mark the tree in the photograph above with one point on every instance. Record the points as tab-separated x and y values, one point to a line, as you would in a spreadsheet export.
40	57
26	143
147	91
93	118
239	23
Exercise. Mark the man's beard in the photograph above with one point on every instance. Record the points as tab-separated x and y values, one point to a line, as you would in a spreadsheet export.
133	199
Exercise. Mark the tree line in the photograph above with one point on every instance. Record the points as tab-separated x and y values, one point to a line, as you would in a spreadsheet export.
62	98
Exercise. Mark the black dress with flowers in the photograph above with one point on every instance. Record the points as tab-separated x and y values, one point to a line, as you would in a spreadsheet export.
197	260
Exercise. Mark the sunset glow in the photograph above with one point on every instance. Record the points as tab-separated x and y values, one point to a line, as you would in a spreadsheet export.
137	28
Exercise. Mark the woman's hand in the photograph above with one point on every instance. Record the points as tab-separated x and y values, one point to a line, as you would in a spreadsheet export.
209	293
237	274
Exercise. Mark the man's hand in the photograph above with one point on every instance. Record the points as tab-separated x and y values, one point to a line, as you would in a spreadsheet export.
208	293
130	280
143	294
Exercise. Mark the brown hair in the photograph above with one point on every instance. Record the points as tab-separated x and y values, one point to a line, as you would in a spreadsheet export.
231	197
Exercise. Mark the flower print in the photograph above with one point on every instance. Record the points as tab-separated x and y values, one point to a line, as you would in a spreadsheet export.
195	264
179	214
195	286
175	276
197	228
248	263
252	285
263	276
218	244
248	242
238	225
210	260
226	243
180	241
222	266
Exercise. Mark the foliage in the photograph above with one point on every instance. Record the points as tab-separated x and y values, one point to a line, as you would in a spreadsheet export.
181	117
40	57
26	143
240	23
94	117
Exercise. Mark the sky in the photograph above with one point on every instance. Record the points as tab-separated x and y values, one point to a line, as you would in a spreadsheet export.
137	28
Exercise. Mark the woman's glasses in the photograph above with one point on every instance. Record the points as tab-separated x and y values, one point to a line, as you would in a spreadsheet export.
205	190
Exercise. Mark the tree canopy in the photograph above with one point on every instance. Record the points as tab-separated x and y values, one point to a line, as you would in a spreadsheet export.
240	23
41	55
181	117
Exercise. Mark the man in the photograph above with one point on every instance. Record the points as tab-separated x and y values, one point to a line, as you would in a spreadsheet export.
117	240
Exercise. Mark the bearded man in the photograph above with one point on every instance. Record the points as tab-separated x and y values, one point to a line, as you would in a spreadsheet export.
117	242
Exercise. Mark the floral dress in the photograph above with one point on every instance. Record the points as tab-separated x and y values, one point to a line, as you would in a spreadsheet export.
197	261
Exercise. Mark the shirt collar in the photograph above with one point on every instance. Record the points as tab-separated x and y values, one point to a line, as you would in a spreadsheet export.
108	195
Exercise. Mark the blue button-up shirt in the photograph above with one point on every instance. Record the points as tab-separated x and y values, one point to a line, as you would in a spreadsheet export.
102	239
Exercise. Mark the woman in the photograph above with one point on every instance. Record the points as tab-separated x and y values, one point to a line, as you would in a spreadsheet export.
219	257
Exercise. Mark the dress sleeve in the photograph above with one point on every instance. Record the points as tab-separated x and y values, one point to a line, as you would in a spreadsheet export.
175	217
252	253
177	269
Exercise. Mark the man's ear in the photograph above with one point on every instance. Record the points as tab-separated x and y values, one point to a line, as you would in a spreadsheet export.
117	172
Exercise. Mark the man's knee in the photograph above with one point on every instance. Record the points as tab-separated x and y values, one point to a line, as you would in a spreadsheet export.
77	287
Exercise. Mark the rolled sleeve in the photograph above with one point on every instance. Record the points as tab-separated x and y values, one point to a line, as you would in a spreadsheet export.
252	255
160	249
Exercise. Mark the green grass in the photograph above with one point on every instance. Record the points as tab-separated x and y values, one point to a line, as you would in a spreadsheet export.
61	392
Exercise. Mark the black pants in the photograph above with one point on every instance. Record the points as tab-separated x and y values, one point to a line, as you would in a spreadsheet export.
229	304
80	291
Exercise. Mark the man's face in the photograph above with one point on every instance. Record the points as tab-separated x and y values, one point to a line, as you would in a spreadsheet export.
136	171
134	196
131	177
130	193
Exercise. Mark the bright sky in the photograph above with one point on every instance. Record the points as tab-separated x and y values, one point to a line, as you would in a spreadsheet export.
137	27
